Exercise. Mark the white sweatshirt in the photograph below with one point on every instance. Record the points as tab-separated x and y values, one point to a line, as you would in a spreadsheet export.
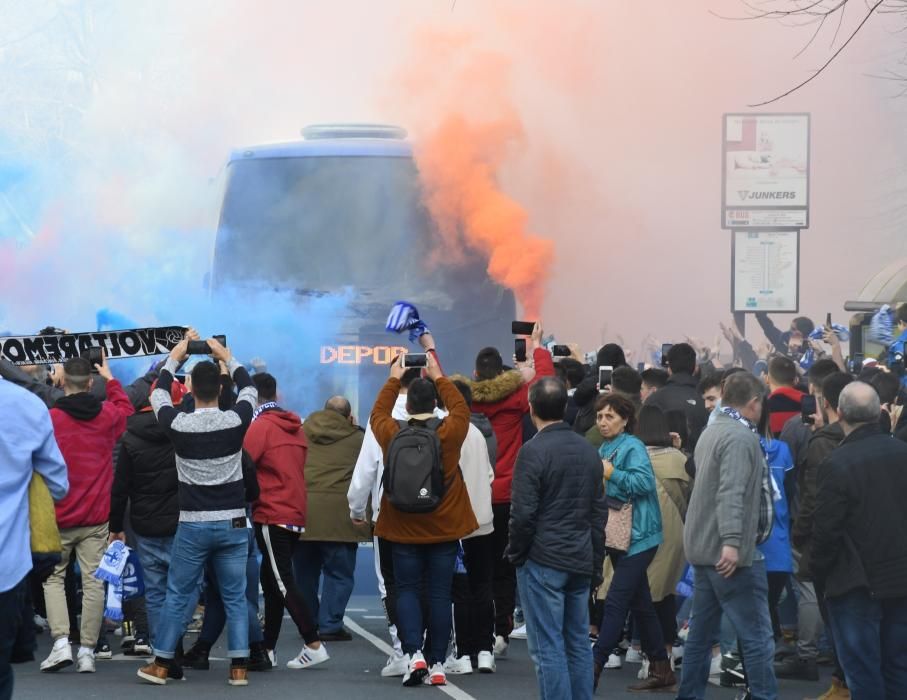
478	474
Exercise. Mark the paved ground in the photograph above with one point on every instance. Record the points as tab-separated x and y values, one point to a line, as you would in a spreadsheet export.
351	674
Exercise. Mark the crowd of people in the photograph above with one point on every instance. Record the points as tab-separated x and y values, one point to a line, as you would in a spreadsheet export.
741	523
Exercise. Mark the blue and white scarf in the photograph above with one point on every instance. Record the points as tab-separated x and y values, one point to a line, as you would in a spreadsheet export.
405	317
264	407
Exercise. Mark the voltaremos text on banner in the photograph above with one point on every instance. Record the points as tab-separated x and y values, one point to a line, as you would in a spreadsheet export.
50	349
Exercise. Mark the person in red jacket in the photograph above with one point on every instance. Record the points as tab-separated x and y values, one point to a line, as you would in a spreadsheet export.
276	443
503	397
785	399
86	430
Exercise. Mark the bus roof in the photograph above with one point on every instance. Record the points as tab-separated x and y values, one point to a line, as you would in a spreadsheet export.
367	147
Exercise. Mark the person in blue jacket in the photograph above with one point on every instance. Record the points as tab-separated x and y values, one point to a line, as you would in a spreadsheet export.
630	479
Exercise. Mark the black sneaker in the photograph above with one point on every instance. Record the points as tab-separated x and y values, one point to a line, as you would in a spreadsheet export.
141	647
796	669
732	675
197	657
102	650
259	659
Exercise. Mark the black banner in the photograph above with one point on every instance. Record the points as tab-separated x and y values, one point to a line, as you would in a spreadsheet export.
49	349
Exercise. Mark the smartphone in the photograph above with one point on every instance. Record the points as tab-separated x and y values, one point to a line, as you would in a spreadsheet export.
856	363
640	367
808	409
415	359
665	349
604	376
95	358
198	347
519	349
828	321
560	351
522	327
222	339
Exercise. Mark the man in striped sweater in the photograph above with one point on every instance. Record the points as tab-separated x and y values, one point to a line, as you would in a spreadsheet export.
212	522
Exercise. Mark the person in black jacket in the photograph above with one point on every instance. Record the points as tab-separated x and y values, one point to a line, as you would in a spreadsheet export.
681	393
557	543
859	549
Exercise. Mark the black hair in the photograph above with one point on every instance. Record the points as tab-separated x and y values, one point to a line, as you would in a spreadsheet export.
573	370
655	376
901	314
548	398
621	405
626	380
682	359
868	374
206	381
709	381
266	385
833	386
611	355
77	373
653	428
409	376
730	371
782	370
421	397
464	389
489	363
805	325
887	386
820	370
678	423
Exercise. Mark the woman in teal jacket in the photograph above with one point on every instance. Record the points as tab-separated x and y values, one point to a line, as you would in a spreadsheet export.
630	478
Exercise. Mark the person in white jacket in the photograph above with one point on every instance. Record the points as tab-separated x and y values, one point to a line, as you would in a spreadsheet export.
473	591
365	484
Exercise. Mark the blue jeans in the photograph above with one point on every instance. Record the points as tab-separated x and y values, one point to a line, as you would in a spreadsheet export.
871	642
556	607
435	563
743	598
337	562
216	615
194	544
154	554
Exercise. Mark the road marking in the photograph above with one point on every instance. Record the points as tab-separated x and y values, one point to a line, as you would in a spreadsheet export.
373	617
357	609
449	689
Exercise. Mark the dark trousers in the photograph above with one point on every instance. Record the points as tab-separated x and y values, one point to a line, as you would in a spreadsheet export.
871	639
829	632
11	606
666	611
418	567
281	592
629	590
504	573
334	565
473	597
777	581
386	563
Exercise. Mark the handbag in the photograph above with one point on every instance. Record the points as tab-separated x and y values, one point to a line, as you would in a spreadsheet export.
42	517
619	527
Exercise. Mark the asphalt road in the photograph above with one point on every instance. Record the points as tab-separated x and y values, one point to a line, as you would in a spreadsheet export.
352	673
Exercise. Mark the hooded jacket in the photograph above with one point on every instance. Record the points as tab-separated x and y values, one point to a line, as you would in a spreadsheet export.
146	478
87	430
504	400
475	465
276	443
334	445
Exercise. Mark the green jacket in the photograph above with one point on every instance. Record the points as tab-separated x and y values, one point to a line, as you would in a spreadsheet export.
334	445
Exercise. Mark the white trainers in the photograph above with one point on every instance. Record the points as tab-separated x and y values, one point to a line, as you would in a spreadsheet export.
40	622
614	661
272	657
396	666
437	676
644	669
60	656
85	661
309	657
458	666
519	632
416	669
500	647
715	668
634	656
486	662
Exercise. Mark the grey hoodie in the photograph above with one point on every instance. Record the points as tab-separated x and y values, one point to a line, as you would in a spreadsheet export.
484	425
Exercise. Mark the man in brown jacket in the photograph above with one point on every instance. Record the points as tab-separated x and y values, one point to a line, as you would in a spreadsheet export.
330	541
424	545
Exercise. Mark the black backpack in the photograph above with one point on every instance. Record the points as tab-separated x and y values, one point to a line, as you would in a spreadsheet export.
413	473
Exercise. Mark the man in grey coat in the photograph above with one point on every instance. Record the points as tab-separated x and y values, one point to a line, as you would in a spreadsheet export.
720	542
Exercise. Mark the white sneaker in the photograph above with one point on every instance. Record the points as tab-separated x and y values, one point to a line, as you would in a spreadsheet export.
614	661
437	676
85	661
677	654
519	632
416	669
643	670
395	666
458	666
500	647
634	656
715	668
40	622
272	657
486	662
309	657
60	656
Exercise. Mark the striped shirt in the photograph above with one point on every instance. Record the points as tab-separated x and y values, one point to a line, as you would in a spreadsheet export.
208	444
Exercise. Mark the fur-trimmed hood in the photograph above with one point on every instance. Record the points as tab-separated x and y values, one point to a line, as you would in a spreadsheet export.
493	390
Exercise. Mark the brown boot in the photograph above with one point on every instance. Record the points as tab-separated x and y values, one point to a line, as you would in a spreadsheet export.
239	675
154	673
838	691
660	677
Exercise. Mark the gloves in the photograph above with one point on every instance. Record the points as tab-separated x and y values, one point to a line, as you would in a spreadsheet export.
405	317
